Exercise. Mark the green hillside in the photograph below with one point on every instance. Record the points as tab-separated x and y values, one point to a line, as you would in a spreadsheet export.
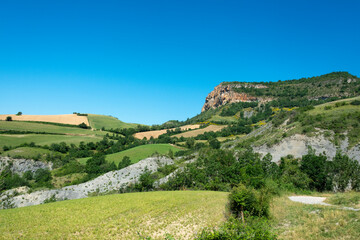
28	153
48	128
138	153
120	216
107	122
44	139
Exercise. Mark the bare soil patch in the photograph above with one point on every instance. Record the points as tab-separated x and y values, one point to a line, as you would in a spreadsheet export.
64	118
157	133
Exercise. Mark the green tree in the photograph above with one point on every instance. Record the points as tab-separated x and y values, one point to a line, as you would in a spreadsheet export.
8	118
124	162
190	142
214	143
19	114
316	169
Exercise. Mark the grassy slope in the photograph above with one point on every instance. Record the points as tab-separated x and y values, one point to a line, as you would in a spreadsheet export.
41	127
43	139
137	153
302	221
27	152
108	122
118	216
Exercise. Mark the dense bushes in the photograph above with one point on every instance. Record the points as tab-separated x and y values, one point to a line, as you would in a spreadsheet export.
248	201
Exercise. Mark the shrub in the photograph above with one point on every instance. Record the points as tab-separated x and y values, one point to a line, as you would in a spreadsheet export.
355	102
214	143
19	114
124	162
246	200
233	229
8	118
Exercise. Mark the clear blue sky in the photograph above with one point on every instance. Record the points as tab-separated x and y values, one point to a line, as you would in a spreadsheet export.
152	61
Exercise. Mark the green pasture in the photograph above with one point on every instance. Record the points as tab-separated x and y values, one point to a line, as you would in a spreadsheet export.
107	122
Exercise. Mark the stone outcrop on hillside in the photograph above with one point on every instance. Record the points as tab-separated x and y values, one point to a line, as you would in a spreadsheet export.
111	181
223	94
298	145
20	166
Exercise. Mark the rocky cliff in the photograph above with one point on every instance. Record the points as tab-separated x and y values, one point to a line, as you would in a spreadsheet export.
223	94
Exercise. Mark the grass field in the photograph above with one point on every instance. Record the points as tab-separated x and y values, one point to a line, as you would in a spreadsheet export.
48	128
137	153
27	152
44	139
320	109
108	122
293	220
64	118
218	118
119	216
194	133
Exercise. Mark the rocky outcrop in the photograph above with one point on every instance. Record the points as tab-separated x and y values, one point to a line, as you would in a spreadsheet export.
298	146
20	166
111	181
223	94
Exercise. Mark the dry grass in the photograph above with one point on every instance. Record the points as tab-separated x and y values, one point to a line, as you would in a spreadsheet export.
157	133
194	133
303	221
121	216
64	118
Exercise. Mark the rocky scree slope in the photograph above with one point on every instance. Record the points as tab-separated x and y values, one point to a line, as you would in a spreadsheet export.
111	181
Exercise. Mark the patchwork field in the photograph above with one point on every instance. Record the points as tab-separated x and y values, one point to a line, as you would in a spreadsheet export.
44	139
108	122
119	216
157	133
64	118
194	133
138	153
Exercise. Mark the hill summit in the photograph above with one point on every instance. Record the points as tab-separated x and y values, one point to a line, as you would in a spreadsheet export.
335	84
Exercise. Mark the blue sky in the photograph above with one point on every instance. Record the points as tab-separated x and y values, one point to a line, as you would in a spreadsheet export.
152	61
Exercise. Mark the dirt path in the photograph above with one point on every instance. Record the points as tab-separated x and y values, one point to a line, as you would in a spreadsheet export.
317	200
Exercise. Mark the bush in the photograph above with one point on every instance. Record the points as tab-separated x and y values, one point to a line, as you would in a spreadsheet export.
83	125
233	229
355	102
8	118
214	143
248	201
124	162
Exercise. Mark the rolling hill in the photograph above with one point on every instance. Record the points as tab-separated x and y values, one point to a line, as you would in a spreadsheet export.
108	122
138	153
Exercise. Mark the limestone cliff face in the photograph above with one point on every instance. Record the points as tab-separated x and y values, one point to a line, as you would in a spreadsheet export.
223	94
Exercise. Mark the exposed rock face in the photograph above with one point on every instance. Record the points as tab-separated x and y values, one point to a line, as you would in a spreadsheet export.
223	94
20	166
297	146
110	181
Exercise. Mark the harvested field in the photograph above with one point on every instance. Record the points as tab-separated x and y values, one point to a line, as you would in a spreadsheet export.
157	133
64	118
194	133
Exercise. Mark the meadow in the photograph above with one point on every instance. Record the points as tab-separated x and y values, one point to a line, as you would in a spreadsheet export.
44	139
138	153
107	122
120	216
28	152
292	220
48	128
